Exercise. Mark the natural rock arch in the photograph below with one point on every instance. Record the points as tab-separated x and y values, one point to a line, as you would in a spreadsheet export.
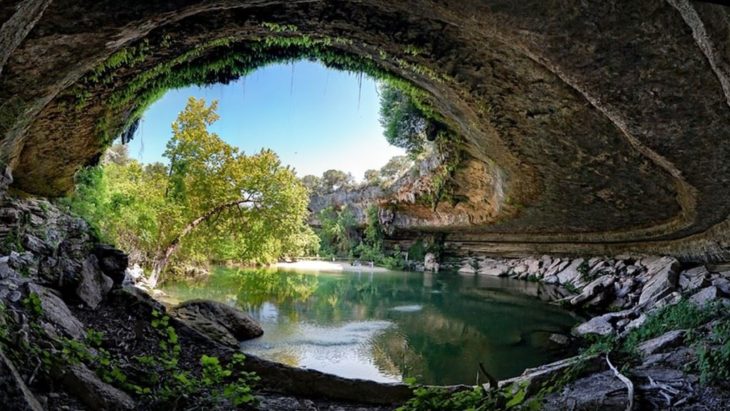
594	127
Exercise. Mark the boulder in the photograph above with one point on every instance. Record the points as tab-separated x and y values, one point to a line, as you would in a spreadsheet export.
662	275
533	266
632	270
723	284
625	286
570	274
55	311
596	292
560	339
469	266
520	269
661	343
604	324
5	270
94	285
557	266
93	392
36	245
133	275
112	262
493	267
25	263
694	278
14	394
635	323
705	296
600	325
670	299
430	263
218	321
601	268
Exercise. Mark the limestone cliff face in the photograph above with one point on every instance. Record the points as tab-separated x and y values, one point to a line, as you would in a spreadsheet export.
588	126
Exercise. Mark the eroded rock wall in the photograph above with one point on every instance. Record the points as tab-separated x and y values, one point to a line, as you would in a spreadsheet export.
587	127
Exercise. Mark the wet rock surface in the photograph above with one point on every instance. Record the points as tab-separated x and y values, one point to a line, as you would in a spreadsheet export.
95	393
222	323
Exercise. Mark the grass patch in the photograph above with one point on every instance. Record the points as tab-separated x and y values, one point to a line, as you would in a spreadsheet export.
712	348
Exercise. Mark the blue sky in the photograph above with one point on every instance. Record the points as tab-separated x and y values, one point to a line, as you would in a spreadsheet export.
311	117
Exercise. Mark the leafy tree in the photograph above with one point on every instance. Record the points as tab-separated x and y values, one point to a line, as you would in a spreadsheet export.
312	183
333	180
210	203
403	123
395	167
338	231
372	178
117	154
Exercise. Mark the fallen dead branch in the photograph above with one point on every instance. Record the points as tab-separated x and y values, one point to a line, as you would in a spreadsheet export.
626	381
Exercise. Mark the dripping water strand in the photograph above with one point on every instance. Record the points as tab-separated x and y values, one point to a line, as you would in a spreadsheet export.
359	89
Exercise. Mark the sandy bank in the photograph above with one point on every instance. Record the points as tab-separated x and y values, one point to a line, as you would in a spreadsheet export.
331	266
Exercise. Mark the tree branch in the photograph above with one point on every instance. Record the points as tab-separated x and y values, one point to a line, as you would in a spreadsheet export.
626	381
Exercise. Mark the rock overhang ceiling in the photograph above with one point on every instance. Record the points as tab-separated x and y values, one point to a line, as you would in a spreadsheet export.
588	126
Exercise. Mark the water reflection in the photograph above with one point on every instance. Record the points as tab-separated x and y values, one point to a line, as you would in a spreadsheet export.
387	326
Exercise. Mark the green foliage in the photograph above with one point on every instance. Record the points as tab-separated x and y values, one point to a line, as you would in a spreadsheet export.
681	316
157	378
338	231
571	288
333	180
373	230
404	125
33	304
220	60
441	178
12	242
395	167
166	383
442	399
417	251
74	351
713	355
340	237
428	398
372	178
279	28
211	202
583	269
712	349
94	338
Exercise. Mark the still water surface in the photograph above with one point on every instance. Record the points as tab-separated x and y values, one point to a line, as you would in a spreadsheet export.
388	326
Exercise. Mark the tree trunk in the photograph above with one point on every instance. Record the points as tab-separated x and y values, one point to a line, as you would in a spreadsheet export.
158	266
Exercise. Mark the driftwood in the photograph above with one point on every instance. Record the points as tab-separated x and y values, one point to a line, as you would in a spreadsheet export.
625	380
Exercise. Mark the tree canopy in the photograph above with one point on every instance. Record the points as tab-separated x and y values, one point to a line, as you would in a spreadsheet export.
403	123
211	202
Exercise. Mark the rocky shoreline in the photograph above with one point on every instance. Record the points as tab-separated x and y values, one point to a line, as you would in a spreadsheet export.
624	294
57	282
